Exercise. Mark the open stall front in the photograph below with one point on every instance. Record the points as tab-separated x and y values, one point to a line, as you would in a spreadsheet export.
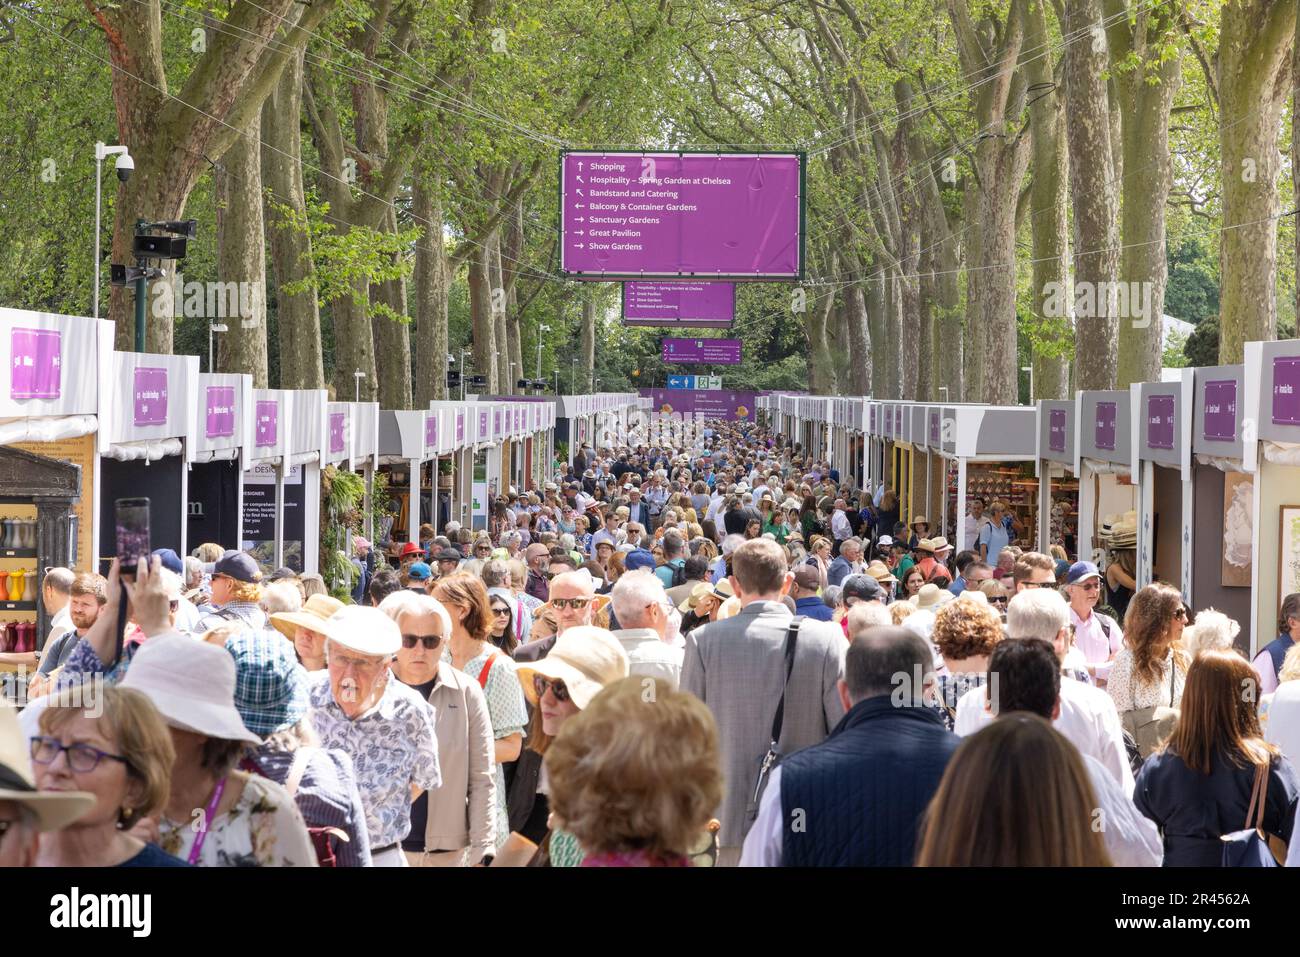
1162	449
1108	494
1223	489
1057	463
988	452
52	432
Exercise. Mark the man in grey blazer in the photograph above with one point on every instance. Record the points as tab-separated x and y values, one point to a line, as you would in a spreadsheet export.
737	667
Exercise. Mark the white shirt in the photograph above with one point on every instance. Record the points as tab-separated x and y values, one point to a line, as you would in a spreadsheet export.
1088	719
764	841
60	625
1132	838
1283	727
650	656
840	526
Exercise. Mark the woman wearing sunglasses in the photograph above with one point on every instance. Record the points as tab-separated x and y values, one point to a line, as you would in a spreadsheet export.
124	758
583	660
1146	680
472	651
502	602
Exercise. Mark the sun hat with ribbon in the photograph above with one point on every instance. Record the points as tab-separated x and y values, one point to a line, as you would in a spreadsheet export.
53	809
931	596
270	685
314	611
585	658
880	571
192	684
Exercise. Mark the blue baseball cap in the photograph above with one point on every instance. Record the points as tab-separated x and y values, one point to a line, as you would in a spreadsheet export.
639	558
419	572
1081	571
169	560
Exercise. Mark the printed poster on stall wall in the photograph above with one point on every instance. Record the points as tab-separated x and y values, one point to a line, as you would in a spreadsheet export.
79	451
259	517
1238	526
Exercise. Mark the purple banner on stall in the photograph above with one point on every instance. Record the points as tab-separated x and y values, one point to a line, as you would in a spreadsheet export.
221	411
1219	419
150	391
268	423
679	304
712	351
460	427
37	362
871	415
647	214
1056	419
889	420
338	422
431	431
709	404
1160	421
483	426
1286	390
934	429
1104	433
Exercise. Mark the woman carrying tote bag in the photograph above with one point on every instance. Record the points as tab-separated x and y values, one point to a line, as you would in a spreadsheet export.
1146	681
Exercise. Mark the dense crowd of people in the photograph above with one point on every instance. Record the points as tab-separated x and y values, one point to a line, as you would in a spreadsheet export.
718	654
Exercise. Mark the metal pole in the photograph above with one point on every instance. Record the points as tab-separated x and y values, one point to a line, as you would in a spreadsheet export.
141	294
573	377
99	170
210	362
539	354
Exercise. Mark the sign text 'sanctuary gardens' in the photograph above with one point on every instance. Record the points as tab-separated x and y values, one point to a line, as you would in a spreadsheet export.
687	215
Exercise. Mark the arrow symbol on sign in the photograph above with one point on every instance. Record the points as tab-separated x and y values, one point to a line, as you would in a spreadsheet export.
578	191
579	206
580	219
579	166
581	233
579	246
580	179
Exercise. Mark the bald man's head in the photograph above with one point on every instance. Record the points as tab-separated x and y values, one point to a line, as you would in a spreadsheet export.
573	596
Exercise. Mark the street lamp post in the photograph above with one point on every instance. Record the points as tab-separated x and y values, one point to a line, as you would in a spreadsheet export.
1030	370
124	166
358	376
944	390
212	355
464	372
540	329
573	377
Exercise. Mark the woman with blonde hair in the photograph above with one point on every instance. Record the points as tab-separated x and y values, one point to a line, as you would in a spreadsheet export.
635	776
1015	794
819	556
1202	785
1150	669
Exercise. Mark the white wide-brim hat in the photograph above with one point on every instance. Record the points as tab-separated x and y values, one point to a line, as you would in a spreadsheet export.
192	684
365	630
585	658
53	809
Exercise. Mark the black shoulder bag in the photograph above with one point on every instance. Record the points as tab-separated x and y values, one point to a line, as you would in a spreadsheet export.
773	756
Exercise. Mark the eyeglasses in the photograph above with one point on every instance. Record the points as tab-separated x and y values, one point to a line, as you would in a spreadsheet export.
1182	614
1050	584
81	757
1090	585
540	685
577	604
430	642
500	612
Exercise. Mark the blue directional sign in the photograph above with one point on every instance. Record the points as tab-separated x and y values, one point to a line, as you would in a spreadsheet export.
681	382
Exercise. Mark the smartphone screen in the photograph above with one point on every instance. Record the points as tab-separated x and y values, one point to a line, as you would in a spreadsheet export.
132	522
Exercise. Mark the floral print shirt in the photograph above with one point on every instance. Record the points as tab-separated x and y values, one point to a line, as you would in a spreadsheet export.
263	829
392	747
506	709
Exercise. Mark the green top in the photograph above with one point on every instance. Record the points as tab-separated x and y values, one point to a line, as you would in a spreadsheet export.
565	851
777	529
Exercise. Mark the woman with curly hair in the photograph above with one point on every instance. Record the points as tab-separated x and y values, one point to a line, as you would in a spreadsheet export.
1150	669
635	776
965	631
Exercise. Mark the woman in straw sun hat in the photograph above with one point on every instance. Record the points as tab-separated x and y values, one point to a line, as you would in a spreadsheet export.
303	629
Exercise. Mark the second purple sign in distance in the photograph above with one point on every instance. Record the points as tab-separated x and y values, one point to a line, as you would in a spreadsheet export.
712	351
640	215
679	304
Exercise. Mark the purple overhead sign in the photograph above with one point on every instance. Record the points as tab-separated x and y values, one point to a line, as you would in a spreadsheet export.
150	391
37	356
1160	421
1104	433
642	215
711	404
221	411
268	422
1219	420
1286	390
1056	430
713	351
337	424
431	430
679	303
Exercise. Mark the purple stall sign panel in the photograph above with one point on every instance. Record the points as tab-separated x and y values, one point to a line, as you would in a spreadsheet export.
679	304
338	422
712	351
1286	390
150	393
710	404
431	430
483	426
1160	421
221	411
268	422
37	362
1220	414
1104	432
643	215
934	428
872	414
460	427
1056	420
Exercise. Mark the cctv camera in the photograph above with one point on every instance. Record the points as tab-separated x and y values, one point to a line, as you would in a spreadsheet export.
124	167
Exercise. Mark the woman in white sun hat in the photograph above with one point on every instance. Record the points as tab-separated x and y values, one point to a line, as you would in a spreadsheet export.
246	820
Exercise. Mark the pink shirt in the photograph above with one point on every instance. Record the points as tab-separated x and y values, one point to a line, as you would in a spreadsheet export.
1090	639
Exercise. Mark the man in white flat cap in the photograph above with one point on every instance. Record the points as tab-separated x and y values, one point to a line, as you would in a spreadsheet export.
359	706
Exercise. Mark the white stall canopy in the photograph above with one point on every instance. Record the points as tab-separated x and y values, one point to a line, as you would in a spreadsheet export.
151	414
221	417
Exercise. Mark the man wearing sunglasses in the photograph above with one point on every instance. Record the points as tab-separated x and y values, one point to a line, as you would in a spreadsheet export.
1034	570
1098	636
573	602
454	825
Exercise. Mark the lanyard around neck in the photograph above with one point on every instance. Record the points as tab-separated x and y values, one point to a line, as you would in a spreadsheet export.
208	814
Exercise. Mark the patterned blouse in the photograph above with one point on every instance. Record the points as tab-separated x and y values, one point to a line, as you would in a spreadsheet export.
1132	693
950	689
506	709
392	747
263	829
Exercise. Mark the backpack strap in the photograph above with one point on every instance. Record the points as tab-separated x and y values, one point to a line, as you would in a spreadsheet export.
791	638
483	674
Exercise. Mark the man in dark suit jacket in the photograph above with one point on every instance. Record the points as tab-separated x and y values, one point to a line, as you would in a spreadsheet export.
855	799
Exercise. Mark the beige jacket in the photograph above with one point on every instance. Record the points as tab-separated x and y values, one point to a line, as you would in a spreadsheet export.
462	813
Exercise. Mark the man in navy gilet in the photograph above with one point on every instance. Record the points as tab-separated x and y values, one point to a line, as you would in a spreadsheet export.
855	799
1269	661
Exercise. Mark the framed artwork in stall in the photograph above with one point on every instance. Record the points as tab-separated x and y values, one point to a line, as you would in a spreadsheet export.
1288	575
1238	519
